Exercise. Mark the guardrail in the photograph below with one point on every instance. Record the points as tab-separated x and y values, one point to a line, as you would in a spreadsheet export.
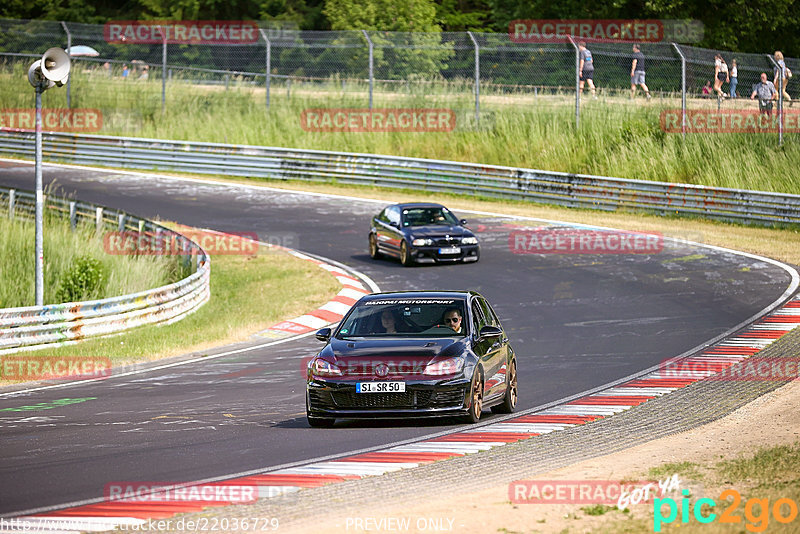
36	327
572	190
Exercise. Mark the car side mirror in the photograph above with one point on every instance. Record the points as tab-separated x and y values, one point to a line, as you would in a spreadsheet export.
324	334
489	332
463	222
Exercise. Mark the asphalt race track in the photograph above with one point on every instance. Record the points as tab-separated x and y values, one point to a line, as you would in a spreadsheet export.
576	322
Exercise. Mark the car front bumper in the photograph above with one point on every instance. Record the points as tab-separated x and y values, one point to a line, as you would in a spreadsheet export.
431	254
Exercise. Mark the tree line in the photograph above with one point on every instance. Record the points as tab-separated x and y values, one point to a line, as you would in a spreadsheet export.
736	25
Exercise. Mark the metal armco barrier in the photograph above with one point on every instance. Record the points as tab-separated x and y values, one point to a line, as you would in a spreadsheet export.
571	190
37	327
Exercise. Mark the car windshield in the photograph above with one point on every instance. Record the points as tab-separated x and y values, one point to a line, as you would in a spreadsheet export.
427	317
429	215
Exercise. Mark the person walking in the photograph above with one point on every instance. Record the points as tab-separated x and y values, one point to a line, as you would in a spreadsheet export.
637	72
586	68
786	75
720	75
734	78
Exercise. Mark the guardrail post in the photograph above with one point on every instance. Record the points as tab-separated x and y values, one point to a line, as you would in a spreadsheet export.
268	62
120	222
780	99
371	69
141	226
98	219
11	202
683	89
577	82
69	54
288	87
73	219
477	77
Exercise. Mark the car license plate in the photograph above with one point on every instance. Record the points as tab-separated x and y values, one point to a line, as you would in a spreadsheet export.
380	387
450	250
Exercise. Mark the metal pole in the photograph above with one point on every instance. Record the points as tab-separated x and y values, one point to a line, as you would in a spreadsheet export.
69	54
39	199
477	77
683	89
371	72
780	99
163	72
11	202
577	82
269	62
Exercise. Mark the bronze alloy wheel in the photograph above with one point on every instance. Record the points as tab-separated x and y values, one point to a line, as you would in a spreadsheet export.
476	402
510	399
405	255
373	247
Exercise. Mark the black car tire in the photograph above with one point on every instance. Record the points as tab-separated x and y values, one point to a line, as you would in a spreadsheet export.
476	399
374	253
509	403
405	255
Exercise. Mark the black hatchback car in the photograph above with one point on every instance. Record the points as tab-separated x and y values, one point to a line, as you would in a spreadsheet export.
422	232
422	353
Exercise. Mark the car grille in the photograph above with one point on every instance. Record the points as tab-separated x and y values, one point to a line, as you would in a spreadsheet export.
444	242
408	399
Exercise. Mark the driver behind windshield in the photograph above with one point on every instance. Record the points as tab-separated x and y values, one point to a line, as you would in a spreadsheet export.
452	319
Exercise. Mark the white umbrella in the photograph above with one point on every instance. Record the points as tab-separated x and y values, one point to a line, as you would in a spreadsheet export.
82	50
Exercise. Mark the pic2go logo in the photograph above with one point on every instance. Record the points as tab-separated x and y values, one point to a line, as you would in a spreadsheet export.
755	521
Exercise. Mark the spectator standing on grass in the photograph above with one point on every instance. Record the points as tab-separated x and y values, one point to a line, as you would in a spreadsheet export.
637	72
145	73
707	89
766	93
734	78
586	68
786	75
125	72
720	75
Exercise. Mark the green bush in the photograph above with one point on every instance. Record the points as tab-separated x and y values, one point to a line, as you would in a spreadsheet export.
86	277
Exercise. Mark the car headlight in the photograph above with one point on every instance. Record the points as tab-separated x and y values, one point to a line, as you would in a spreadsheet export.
450	366
321	367
470	241
420	242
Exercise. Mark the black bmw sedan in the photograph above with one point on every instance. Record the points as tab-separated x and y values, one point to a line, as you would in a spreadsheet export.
421	353
422	232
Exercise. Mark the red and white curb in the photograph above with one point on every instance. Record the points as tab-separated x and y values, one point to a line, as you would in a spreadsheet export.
624	396
330	312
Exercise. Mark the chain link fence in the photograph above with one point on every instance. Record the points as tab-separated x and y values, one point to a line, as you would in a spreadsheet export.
476	69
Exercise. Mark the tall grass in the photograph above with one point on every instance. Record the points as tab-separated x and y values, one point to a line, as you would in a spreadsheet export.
62	248
617	137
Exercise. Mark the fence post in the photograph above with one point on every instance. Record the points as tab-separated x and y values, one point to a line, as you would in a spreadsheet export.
577	81
683	89
73	219
780	98
98	219
120	222
371	71
268	62
477	77
11	202
163	71
69	54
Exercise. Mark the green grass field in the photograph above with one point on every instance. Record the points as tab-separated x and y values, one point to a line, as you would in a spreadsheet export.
617	137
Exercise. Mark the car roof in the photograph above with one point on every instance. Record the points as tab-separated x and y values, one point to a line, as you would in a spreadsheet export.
420	295
419	205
